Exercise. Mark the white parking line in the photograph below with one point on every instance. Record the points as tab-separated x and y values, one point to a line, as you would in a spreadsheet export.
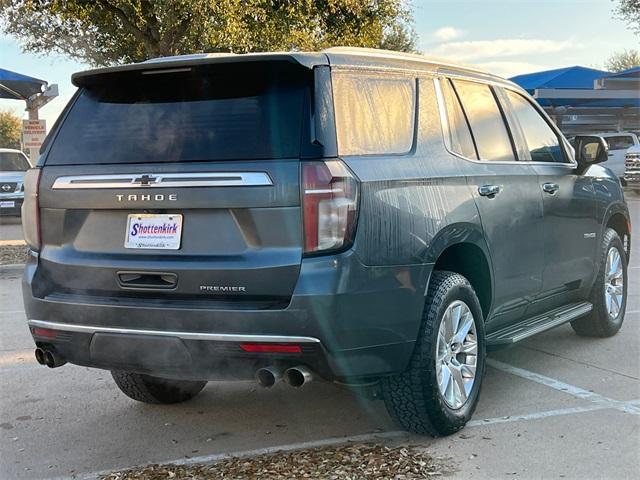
537	415
11	312
565	387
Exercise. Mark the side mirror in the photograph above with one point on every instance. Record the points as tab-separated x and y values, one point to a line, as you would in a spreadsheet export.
590	149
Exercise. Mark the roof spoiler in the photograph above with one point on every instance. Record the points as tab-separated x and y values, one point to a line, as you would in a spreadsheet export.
306	60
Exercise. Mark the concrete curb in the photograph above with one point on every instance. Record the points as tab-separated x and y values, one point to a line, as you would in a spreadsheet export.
12	243
10	267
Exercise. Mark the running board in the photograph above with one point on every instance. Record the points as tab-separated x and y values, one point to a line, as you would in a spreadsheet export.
532	326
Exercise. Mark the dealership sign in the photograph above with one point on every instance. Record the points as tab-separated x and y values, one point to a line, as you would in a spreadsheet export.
33	133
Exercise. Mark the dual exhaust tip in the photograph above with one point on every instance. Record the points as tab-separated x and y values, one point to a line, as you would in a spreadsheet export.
295	376
50	358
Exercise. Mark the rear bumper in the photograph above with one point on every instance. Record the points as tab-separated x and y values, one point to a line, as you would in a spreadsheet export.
349	320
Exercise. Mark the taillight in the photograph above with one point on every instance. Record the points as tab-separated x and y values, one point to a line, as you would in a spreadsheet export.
330	206
31	209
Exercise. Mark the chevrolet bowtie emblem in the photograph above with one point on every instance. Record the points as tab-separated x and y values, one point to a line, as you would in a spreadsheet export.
145	180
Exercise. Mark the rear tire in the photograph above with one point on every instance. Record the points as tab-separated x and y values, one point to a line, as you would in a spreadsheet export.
601	322
414	398
148	389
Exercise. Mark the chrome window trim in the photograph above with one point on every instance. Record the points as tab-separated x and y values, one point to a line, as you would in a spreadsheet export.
164	180
218	337
444	124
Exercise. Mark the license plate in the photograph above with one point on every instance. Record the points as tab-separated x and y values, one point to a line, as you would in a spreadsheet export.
162	232
7	204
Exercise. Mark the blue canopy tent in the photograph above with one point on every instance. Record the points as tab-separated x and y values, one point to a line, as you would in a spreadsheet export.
16	86
568	77
583	100
34	92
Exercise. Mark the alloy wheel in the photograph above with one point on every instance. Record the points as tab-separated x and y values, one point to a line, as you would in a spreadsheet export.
457	353
613	283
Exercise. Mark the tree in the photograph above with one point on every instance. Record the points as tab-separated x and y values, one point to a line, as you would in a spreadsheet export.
105	32
629	11
623	60
10	130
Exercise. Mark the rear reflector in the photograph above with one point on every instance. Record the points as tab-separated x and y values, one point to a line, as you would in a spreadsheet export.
44	332
270	348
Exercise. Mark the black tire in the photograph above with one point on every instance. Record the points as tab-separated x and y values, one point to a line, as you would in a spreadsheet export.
599	323
148	389
413	398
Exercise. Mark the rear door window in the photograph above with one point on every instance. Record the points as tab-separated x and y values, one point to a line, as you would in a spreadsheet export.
542	142
459	135
375	114
221	112
485	118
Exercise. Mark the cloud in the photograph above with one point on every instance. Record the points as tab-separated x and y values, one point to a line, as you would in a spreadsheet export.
508	47
447	33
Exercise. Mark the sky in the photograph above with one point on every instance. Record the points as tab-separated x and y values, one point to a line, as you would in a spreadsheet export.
507	37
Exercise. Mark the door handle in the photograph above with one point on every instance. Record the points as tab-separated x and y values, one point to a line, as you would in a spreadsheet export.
550	188
489	190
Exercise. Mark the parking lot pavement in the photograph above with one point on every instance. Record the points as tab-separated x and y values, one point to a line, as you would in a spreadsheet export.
555	406
10	228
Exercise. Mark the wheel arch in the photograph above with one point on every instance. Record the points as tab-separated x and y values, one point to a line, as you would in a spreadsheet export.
617	218
462	249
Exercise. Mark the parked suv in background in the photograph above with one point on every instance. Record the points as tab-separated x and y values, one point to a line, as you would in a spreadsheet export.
618	144
359	216
13	165
632	169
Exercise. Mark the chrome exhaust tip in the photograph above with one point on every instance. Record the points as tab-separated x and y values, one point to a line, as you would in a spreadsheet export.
52	359
298	376
39	353
267	377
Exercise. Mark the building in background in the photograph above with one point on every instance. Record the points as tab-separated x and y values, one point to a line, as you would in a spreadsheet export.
585	100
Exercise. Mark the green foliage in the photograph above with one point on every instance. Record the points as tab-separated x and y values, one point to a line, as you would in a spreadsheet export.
10	130
104	32
623	60
629	11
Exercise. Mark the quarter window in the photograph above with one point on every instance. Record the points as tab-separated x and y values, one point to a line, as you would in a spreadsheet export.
374	114
485	118
542	142
460	140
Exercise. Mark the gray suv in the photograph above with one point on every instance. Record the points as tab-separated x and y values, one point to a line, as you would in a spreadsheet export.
375	219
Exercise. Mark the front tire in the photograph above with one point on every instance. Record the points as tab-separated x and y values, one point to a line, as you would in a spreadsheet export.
609	293
438	392
148	389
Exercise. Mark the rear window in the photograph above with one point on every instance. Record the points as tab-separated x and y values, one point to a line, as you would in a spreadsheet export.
13	162
374	113
222	112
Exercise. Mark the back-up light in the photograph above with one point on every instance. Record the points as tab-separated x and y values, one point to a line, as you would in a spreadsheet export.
330	206
31	209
